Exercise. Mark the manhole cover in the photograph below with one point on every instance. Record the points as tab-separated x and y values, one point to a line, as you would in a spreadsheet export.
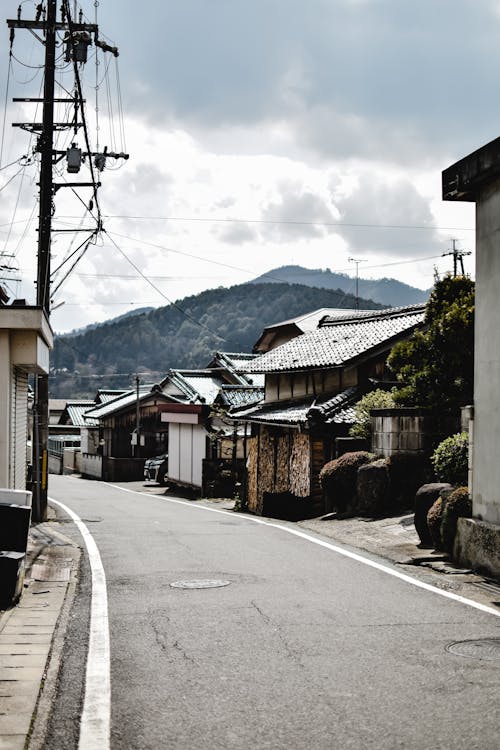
199	584
487	649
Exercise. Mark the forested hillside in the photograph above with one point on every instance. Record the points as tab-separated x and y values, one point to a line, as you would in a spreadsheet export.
180	335
388	292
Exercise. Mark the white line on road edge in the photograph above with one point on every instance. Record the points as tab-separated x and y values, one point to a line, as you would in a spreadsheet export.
95	719
334	548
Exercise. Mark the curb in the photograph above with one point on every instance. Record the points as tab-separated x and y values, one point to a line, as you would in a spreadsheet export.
32	637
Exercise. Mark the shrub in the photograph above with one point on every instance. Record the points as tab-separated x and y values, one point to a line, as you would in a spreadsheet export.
377	399
372	489
434	518
407	472
338	479
450	459
457	506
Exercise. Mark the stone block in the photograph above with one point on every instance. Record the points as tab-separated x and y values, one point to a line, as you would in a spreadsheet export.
477	545
424	500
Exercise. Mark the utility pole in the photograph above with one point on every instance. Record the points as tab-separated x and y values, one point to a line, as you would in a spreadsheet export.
357	261
458	257
77	39
137	418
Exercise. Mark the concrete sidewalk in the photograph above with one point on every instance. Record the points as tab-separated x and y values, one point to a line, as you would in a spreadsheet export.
32	635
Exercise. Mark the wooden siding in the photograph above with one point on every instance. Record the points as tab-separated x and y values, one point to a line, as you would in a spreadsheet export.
252	467
318	460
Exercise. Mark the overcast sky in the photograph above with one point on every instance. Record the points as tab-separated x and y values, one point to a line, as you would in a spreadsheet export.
262	134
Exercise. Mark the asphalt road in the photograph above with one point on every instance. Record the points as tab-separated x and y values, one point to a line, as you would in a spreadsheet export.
303	649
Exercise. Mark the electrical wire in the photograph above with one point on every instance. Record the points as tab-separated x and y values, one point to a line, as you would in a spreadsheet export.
292	223
12	178
247	270
159	291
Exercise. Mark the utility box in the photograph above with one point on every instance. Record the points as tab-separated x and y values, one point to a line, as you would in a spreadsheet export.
12	566
15	518
14	527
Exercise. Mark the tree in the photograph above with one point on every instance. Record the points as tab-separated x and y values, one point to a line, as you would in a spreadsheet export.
377	399
436	366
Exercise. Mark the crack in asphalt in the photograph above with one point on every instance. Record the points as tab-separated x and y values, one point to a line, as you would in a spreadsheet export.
279	632
164	645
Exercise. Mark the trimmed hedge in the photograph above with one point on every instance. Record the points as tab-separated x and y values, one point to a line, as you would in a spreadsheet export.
457	506
338	479
451	459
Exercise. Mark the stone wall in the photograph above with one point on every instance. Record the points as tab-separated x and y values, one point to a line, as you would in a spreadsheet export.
410	430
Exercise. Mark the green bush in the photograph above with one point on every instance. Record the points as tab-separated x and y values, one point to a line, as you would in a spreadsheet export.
407	472
434	519
451	459
457	506
377	399
338	479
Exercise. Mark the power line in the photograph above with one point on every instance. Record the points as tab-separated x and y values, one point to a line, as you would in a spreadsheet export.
289	222
157	289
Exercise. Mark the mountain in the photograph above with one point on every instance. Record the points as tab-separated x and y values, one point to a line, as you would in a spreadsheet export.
91	326
184	334
387	292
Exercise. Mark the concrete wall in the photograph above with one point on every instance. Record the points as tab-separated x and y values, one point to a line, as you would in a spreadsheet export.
71	461
486	488
91	466
409	430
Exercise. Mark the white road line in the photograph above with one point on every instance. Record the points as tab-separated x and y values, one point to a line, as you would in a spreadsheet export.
95	719
334	548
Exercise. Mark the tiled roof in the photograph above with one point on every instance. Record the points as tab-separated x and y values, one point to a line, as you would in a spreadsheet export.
234	396
339	340
235	364
118	403
104	396
310	320
75	411
336	410
200	386
280	412
309	411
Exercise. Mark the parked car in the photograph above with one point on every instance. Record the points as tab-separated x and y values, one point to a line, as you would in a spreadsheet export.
155	469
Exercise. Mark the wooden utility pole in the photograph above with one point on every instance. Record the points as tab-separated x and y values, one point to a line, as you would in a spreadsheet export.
458	257
357	261
46	22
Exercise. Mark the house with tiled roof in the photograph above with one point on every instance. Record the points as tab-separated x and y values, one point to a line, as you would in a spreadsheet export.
279	333
113	448
312	384
199	432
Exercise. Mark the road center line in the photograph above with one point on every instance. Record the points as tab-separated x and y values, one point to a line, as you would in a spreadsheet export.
334	548
96	713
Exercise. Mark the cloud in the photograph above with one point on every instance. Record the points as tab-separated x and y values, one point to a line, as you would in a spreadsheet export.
237	233
384	211
301	211
403	69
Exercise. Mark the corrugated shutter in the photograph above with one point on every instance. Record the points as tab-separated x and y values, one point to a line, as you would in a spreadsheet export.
19	421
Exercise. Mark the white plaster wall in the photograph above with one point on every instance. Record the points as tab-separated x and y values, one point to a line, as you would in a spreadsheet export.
186	451
486	450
